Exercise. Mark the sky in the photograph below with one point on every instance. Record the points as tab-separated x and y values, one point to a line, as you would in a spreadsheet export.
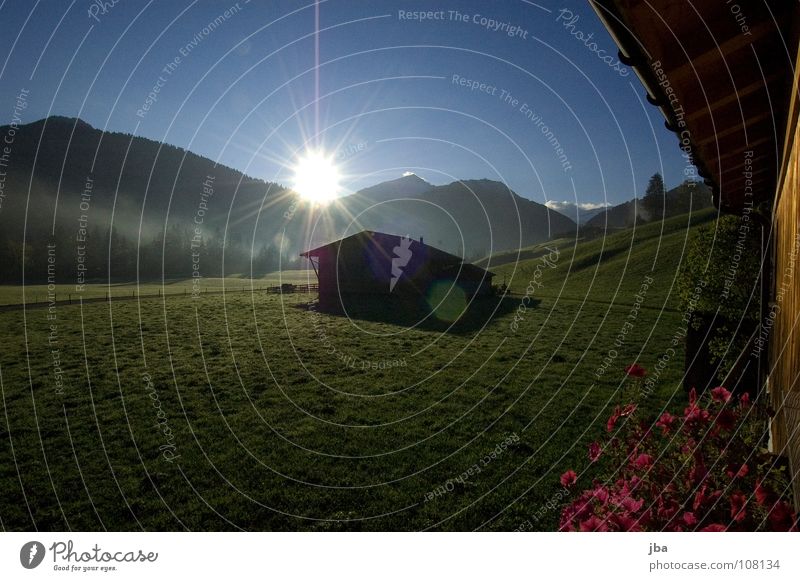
510	90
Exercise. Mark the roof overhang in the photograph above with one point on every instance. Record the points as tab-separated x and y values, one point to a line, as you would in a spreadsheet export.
722	75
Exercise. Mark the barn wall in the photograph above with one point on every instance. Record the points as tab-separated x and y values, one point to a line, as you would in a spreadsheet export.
784	376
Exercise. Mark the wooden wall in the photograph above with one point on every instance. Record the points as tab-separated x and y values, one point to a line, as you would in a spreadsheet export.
784	349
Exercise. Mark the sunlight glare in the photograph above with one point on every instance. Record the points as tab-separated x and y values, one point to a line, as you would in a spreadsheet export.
316	178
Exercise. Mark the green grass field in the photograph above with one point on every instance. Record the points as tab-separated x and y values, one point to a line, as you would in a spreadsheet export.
35	293
250	411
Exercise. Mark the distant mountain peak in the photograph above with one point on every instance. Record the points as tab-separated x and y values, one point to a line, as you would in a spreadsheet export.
407	185
62	121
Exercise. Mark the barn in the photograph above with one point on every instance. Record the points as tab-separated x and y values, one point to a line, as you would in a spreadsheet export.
725	77
378	264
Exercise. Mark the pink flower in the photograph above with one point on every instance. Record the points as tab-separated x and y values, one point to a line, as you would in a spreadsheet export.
726	420
595	451
744	400
601	494
626	522
628	410
762	494
700	497
689	518
643	461
737	471
665	422
692	396
738	503
781	517
568	478
635	370
713	528
593	524
631	504
720	395
612	420
696	415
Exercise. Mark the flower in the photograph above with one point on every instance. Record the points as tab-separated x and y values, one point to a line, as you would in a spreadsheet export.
762	494
643	460
690	519
593	524
632	505
612	420
568	478
726	420
781	517
711	473
625	522
635	370
713	528
720	395
738	503
601	494
734	471
665	422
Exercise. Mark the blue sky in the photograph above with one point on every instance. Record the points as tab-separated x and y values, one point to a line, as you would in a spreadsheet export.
243	90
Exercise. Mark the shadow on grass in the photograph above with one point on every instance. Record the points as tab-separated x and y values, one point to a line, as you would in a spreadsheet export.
452	316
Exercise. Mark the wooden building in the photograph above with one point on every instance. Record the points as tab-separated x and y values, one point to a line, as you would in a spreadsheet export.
374	263
724	75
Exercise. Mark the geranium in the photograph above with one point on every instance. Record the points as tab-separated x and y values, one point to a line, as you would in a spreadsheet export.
665	422
720	394
593	524
612	420
643	461
738	502
568	478
713	528
635	370
706	470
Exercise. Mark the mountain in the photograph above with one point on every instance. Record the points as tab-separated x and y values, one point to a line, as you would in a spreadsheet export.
622	215
686	197
579	213
145	205
470	218
403	187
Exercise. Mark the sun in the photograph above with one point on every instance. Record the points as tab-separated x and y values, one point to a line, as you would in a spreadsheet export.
316	177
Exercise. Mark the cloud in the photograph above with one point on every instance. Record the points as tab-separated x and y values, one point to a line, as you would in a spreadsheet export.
586	206
408	173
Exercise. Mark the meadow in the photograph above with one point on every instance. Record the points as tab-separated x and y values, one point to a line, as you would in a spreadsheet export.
38	293
255	411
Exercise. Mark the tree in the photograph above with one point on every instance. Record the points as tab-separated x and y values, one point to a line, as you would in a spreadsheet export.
654	198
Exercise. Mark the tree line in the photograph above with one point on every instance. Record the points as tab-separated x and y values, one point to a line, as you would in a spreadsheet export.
102	255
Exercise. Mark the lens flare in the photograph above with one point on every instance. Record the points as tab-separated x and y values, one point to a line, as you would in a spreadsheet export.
316	177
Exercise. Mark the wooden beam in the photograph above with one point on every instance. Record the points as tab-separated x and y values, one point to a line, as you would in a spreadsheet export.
694	67
738	169
752	145
731	98
750	122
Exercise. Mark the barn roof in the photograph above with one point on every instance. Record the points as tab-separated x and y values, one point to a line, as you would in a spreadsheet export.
434	254
721	73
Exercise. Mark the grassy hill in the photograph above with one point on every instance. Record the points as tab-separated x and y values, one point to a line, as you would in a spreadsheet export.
254	411
609	269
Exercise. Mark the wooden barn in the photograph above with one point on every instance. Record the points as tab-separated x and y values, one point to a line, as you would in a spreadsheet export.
725	77
374	263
